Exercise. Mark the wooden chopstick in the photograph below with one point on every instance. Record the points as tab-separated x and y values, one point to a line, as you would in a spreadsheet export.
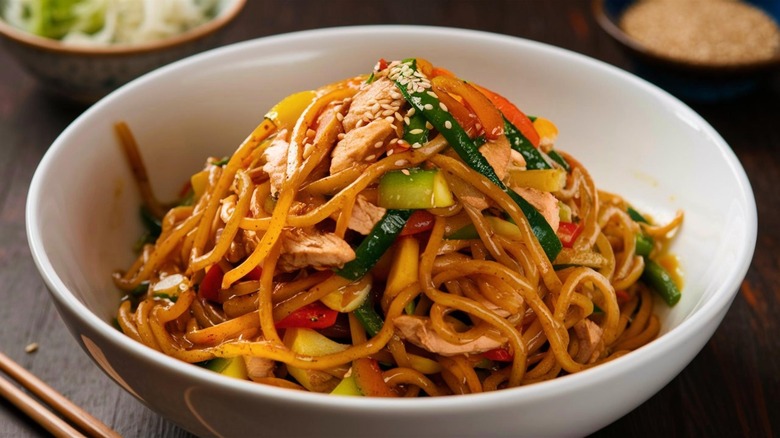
47	394
47	419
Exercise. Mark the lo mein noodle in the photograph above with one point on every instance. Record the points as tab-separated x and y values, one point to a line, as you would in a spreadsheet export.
404	233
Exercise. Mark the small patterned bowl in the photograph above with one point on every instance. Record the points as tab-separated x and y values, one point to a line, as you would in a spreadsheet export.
696	82
84	74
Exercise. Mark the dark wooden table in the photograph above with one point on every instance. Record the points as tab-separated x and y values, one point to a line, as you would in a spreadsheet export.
732	388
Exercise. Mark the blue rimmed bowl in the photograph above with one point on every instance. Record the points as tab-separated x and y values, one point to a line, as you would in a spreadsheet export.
693	81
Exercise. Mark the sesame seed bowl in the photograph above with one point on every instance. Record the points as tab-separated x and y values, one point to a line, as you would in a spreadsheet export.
82	223
700	50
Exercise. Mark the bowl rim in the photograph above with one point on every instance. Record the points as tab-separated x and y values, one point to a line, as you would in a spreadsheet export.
226	16
636	47
701	315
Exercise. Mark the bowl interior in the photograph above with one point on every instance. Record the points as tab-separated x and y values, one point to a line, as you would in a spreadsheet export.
635	140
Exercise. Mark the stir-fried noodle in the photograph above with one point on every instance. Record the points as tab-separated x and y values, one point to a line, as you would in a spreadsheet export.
400	234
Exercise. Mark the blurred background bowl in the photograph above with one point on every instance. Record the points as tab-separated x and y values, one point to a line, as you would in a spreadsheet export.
84	74
82	222
689	80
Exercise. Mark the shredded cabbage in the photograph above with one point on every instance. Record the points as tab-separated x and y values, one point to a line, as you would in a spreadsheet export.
104	22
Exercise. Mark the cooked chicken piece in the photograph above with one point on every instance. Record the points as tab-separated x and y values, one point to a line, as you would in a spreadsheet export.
327	131
310	248
500	311
276	161
497	152
259	367
361	146
256	205
467	193
589	335
418	331
305	203
545	202
228	207
378	100
365	215
516	159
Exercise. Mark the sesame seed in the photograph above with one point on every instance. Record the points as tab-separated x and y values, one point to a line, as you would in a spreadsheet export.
371	157
416	145
448	124
390	152
443	106
400	163
432	94
406	172
340	117
428	125
31	348
428	106
378	144
406	120
399	116
411	111
416	131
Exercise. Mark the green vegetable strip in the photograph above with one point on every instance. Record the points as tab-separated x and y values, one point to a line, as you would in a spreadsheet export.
416	132
636	216
459	140
152	224
533	157
661	282
559	159
369	319
375	244
644	245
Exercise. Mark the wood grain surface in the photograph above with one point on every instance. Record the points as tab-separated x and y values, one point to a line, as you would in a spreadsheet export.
732	388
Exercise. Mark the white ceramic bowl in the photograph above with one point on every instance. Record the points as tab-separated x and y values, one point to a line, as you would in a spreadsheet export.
634	138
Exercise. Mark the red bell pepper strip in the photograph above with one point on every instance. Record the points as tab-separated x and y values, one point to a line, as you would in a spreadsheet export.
487	113
420	221
499	355
253	275
513	114
368	378
440	71
568	233
465	117
313	316
212	282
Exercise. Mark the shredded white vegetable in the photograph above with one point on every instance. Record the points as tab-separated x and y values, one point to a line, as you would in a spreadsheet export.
104	22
